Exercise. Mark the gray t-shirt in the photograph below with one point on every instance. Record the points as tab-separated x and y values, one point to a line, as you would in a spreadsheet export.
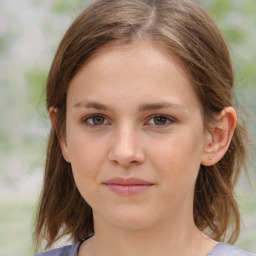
221	249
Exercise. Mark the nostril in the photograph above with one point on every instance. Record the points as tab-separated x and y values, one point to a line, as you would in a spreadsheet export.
126	158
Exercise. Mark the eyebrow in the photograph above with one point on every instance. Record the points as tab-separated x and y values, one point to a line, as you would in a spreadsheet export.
141	108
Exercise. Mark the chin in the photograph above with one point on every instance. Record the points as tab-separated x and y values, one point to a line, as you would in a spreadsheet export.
132	219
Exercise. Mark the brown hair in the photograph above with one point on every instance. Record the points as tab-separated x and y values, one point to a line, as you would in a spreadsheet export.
184	29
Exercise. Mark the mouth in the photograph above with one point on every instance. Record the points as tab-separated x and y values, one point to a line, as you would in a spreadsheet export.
126	187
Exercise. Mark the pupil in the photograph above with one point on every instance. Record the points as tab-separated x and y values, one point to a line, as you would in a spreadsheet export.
98	120
160	120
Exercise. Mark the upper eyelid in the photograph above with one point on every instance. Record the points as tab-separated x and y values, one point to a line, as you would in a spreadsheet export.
94	115
162	115
151	116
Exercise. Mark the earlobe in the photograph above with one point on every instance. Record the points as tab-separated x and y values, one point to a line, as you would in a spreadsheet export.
53	113
64	150
53	116
218	139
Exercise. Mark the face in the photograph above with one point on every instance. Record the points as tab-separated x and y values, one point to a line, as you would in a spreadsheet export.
134	136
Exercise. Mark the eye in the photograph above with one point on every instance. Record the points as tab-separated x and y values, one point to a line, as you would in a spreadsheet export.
95	120
160	120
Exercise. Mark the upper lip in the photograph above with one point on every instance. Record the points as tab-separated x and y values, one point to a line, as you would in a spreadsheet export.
127	181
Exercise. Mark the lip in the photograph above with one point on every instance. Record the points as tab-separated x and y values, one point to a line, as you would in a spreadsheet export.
128	186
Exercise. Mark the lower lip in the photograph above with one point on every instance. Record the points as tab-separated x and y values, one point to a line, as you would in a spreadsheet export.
127	190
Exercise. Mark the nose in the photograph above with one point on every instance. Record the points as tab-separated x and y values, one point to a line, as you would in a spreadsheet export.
126	149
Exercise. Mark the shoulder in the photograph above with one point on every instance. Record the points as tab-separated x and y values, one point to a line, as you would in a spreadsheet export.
223	249
69	250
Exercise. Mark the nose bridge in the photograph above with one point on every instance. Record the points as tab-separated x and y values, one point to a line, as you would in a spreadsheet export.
126	148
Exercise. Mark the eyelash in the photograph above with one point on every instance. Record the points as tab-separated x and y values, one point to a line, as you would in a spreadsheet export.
168	119
85	120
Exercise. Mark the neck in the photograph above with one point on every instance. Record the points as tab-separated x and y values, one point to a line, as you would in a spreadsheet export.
164	239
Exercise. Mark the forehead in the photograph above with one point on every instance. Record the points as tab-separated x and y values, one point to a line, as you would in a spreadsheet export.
138	49
135	71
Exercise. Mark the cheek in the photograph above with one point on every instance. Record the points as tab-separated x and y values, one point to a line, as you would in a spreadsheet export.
177	163
86	156
178	157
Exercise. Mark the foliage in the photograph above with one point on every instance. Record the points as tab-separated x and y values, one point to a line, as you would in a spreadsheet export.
65	6
15	238
36	79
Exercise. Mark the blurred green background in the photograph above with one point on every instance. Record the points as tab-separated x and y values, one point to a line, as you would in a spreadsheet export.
30	31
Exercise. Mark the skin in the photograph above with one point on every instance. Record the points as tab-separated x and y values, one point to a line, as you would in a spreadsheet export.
163	145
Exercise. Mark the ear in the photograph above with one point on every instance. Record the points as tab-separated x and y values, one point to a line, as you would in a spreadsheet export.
53	113
218	139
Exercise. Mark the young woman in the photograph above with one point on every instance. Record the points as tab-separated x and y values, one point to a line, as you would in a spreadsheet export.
146	145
